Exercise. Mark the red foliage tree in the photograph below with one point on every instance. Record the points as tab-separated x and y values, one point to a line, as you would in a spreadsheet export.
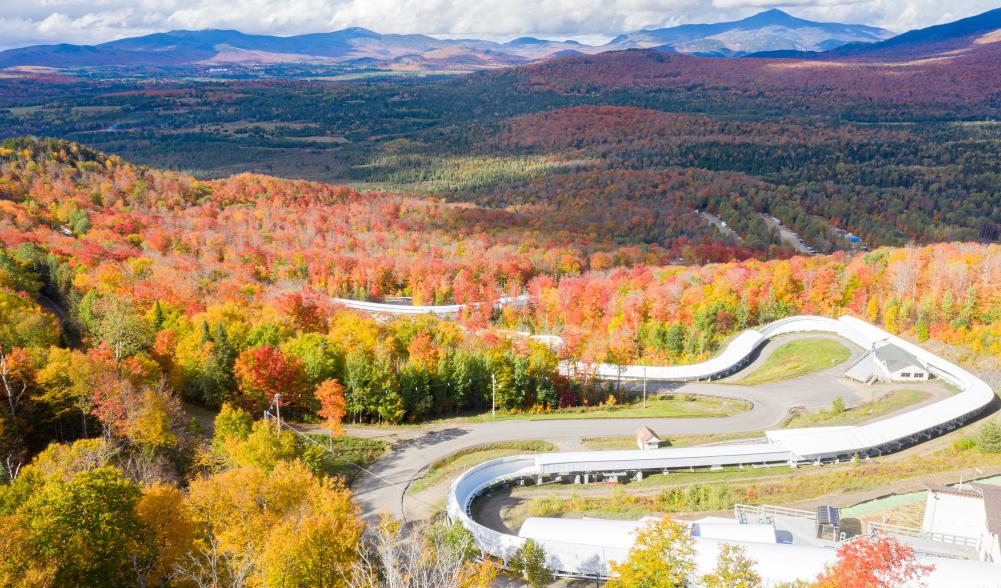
263	372
307	311
873	562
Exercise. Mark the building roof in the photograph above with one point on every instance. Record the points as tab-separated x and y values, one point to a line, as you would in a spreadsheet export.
989	493
734	531
894	357
954	490
992	506
864	369
645	434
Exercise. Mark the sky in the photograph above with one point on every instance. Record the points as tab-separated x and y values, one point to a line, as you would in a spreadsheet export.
31	22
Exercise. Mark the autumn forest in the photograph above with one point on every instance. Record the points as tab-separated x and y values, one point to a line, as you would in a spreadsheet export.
175	250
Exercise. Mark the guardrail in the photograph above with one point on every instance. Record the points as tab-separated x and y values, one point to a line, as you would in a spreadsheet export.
763	510
874	528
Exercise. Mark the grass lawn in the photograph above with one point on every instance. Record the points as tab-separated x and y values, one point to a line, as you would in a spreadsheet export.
797	358
461	461
892	402
350	449
666	406
629	442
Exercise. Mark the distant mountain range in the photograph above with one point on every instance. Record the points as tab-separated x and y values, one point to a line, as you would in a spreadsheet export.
772	30
944	39
766	31
770	34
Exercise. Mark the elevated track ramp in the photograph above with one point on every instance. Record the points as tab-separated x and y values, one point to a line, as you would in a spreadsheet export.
589	557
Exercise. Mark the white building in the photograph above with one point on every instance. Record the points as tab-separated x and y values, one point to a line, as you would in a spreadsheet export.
970	511
887	362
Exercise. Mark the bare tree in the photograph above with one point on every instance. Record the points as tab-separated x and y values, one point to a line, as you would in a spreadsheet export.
12	467
433	556
207	567
10	389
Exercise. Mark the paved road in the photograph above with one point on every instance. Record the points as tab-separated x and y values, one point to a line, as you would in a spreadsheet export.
416	448
791	237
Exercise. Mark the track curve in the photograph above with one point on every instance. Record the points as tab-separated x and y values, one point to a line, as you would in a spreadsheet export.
792	446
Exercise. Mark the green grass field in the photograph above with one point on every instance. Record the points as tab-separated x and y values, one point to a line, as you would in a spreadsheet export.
350	449
461	461
892	402
798	358
629	442
667	406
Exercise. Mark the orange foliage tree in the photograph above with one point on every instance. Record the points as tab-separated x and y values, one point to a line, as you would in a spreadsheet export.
873	562
330	395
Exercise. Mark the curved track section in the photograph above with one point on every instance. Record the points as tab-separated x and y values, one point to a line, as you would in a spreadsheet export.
440	310
793	446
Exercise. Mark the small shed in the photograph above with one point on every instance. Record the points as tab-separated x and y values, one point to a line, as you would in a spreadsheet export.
647	439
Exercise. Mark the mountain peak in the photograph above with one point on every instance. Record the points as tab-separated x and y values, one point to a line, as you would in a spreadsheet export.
773	16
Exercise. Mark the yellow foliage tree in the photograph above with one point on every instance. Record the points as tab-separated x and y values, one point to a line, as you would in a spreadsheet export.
317	543
283	528
263	448
733	570
168	533
663	556
19	565
149	422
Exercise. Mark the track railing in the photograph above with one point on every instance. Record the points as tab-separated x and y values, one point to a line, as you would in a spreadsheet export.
875	528
769	510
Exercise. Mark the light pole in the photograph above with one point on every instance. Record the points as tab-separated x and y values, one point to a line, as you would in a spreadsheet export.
644	386
278	409
493	396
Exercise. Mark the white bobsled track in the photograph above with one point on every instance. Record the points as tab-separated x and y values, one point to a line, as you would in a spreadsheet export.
589	552
440	310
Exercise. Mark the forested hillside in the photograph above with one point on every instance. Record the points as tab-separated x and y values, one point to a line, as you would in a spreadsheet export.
891	150
156	265
224	288
125	291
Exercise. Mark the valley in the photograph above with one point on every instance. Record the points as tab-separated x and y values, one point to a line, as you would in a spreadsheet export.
330	309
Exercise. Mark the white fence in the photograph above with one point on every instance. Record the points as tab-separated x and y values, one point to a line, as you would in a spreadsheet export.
741	511
887	529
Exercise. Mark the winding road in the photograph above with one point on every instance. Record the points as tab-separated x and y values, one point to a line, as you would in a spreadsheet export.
415	448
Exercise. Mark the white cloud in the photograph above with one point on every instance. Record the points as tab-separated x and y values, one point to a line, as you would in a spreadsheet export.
95	21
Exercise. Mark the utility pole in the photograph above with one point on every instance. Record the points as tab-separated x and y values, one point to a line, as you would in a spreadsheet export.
493	396
644	386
